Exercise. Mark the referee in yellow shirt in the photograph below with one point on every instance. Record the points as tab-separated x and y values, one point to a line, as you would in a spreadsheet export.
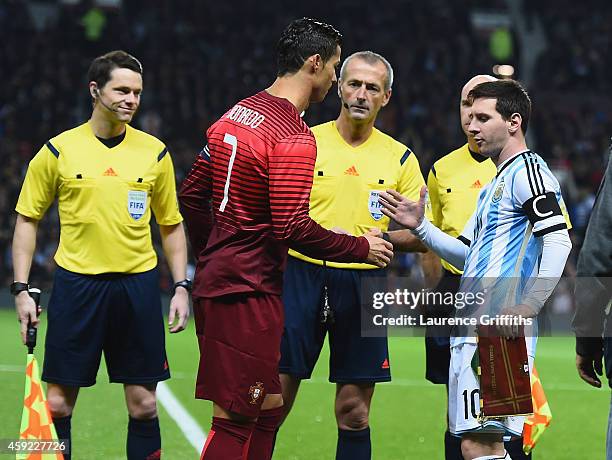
354	162
109	178
454	183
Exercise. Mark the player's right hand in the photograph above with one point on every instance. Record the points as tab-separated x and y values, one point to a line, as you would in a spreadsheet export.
26	311
405	212
381	251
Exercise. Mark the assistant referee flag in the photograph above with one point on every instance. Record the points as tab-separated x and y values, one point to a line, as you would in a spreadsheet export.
36	423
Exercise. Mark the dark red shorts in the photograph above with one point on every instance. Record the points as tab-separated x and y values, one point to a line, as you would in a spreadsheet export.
239	338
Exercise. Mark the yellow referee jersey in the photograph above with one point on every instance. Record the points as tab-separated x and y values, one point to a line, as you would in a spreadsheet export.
105	198
454	183
347	181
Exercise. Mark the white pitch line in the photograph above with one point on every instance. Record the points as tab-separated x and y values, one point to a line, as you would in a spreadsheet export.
187	424
12	368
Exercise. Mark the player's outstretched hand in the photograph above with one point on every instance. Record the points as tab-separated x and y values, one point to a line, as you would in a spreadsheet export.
26	311
405	212
589	367
179	310
381	251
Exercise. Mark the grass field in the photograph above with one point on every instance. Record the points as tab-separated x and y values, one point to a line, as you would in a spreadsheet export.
408	415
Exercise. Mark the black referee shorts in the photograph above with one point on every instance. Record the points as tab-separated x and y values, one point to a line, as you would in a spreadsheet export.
118	314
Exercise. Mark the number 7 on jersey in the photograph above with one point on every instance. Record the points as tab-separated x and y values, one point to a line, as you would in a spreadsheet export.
231	140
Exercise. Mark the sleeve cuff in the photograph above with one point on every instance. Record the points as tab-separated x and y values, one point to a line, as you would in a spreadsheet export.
589	346
421	230
363	249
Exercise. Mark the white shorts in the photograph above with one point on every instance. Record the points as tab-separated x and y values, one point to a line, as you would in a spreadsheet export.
464	398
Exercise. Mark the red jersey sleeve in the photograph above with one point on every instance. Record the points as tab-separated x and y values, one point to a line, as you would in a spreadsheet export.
291	167
195	197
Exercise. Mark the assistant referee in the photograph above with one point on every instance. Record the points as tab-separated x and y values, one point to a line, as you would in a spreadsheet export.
108	179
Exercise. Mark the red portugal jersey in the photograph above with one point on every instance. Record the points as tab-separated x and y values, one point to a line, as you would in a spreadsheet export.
245	201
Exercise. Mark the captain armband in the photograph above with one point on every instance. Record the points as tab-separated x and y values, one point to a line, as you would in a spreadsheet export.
541	208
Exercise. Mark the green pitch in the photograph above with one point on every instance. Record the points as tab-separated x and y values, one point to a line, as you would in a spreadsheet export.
408	415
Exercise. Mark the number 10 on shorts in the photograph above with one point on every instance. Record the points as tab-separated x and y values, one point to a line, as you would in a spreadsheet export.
470	402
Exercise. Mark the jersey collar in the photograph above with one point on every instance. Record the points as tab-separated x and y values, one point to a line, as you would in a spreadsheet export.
506	163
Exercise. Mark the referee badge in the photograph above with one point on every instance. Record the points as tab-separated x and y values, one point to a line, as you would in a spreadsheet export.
499	191
374	206
137	203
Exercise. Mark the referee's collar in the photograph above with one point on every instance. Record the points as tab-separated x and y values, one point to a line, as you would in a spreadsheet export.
113	141
477	156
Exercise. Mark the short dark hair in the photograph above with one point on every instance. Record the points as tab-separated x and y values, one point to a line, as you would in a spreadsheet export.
511	98
302	39
102	66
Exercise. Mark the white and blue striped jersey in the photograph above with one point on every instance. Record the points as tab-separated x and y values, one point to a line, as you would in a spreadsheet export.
521	203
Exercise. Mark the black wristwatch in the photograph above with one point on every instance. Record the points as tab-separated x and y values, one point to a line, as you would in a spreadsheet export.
17	287
186	283
386	237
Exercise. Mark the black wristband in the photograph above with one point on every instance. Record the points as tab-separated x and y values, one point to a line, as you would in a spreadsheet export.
17	287
386	237
186	283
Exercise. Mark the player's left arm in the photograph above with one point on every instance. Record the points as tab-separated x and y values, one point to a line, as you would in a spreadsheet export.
291	166
538	194
174	243
409	185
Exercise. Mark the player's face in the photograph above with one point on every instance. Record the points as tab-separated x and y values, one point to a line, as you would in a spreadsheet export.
325	77
489	129
120	96
363	89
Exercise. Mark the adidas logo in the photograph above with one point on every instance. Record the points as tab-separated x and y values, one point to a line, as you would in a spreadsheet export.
110	172
385	364
476	184
352	171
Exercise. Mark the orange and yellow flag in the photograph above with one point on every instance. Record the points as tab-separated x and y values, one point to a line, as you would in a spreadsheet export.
36	422
536	423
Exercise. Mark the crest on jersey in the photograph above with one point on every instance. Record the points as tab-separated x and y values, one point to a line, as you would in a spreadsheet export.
137	203
499	191
255	392
374	206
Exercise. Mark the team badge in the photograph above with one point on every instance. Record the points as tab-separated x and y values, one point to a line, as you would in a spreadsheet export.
499	191
374	206
255	392
137	203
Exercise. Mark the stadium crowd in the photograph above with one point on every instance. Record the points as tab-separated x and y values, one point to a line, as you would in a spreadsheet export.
198	57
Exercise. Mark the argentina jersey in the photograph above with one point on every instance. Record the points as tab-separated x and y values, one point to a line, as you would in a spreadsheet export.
521	204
